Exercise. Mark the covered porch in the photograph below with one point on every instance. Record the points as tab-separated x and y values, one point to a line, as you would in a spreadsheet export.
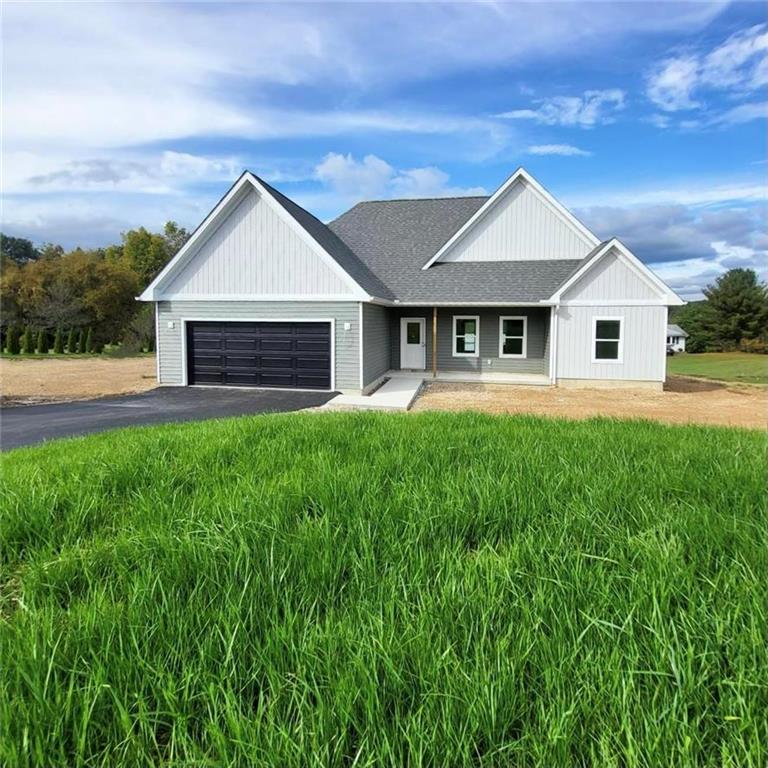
509	344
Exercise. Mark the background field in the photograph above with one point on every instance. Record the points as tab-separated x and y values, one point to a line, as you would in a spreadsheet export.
368	589
724	366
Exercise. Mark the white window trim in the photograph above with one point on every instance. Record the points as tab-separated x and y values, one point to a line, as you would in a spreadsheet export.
502	336
476	353
599	360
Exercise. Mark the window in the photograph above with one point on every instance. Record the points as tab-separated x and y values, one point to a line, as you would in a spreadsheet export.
607	340
669	339
513	336
466	335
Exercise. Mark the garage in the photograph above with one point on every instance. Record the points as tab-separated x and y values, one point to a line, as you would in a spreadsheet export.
292	355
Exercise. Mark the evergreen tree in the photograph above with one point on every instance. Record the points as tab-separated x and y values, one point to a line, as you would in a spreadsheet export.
89	342
13	341
42	342
81	342
72	341
27	345
58	342
740	305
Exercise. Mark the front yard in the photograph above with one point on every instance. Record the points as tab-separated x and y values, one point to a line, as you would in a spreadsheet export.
60	378
368	589
682	402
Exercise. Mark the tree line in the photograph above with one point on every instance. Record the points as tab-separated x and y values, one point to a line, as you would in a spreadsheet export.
733	316
82	299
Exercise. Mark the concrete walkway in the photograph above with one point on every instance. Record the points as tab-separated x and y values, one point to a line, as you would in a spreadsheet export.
397	394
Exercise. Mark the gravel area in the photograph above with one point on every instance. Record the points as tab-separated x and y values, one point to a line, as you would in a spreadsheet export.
60	379
684	401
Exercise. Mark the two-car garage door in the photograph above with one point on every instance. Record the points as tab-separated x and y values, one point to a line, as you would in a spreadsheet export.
259	354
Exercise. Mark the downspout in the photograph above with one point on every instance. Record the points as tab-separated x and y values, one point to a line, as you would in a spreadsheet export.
434	342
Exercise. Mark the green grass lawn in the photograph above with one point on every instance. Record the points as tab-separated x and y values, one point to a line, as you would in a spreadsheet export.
725	366
370	589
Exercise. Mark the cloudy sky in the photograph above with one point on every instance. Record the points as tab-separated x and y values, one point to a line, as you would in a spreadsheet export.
648	119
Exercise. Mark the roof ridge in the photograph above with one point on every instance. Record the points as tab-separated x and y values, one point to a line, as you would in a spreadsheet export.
421	199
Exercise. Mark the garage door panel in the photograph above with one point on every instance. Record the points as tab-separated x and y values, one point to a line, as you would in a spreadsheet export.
313	363
244	344
277	345
270	361
260	354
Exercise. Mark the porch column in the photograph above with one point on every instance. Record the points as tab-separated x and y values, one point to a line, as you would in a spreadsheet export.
434	342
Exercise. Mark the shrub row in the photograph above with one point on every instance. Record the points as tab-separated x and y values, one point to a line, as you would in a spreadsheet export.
78	342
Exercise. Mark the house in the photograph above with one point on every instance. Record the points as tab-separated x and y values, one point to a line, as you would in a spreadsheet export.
508	288
676	337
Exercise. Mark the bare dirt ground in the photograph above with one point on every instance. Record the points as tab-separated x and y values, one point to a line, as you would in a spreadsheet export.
684	401
58	379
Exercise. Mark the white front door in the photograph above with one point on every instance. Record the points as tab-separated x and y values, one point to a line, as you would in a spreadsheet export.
413	347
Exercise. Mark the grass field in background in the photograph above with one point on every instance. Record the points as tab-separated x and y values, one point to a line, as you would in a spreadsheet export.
725	366
389	590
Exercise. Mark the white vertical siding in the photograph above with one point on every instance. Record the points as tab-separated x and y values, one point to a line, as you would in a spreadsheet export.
644	335
522	226
346	344
256	252
611	278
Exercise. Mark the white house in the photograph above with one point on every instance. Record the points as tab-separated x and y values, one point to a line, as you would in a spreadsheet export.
676	337
510	287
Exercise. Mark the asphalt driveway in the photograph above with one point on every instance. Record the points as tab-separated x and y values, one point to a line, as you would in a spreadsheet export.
28	424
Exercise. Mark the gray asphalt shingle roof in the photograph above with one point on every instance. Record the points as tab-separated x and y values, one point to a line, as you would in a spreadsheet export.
395	238
676	330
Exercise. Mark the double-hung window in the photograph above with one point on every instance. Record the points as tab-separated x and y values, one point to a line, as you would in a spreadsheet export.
607	339
466	335
513	336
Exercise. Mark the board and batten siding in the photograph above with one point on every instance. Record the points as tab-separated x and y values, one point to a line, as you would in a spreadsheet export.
611	278
522	226
255	252
346	344
376	342
644	331
536	361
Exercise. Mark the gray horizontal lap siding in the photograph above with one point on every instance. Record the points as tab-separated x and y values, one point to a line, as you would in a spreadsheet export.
347	350
376	342
536	361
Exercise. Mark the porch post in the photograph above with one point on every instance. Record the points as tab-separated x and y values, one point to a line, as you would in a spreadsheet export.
434	342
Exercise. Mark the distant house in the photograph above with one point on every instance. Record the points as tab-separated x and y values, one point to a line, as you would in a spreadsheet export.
676	337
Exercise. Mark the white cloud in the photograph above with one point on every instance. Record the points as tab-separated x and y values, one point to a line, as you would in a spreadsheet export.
352	180
566	150
744	113
150	173
695	192
738	66
670	87
590	109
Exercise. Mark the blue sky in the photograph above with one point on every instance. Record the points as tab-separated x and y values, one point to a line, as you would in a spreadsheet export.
649	120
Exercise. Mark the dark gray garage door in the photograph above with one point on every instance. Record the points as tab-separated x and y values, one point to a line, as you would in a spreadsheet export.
265	354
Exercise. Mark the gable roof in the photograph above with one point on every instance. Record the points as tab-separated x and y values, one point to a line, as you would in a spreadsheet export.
519	176
614	245
395	237
383	248
676	330
316	234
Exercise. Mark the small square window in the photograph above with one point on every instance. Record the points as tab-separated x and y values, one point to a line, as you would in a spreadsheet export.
607	342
